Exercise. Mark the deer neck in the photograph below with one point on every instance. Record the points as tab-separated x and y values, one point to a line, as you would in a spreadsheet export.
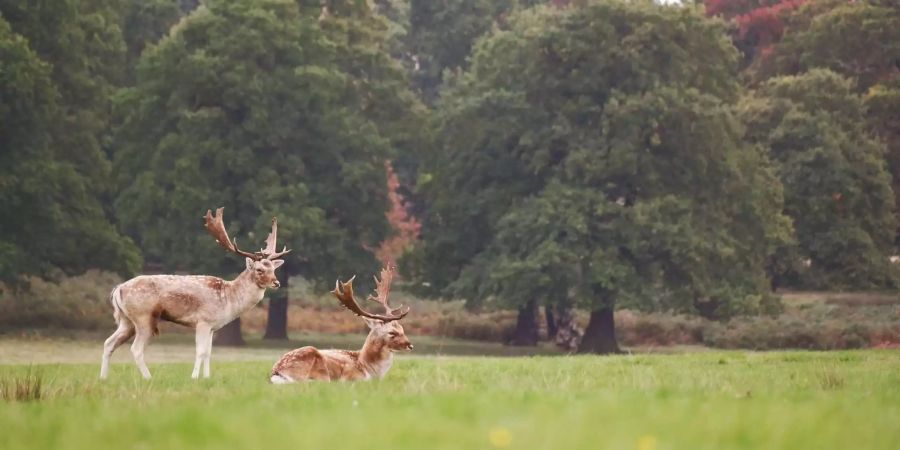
375	357
243	293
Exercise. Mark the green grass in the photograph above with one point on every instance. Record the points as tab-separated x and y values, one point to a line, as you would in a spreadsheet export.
709	400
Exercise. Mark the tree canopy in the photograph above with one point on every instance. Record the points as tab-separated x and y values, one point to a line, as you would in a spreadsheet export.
274	126
582	158
53	115
857	39
837	188
516	154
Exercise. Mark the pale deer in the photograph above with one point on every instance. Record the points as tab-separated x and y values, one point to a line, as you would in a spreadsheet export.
372	361
205	303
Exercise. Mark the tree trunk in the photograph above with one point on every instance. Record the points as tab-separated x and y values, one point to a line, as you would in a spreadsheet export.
568	334
526	326
276	323
600	335
230	335
551	322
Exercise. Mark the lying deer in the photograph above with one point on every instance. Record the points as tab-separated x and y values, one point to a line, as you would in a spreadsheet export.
372	361
204	303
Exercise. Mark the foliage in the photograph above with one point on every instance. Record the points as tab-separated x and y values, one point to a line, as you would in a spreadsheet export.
882	103
837	189
82	42
406	227
581	153
859	39
575	160
53	85
442	35
145	22
73	303
251	105
759	24
363	42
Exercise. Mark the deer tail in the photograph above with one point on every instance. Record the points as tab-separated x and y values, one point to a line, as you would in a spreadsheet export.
115	298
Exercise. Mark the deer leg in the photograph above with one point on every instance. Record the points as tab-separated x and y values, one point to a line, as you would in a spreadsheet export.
119	337
209	340
201	337
143	332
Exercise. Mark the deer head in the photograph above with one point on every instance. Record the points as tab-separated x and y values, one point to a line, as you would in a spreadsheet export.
384	327
262	264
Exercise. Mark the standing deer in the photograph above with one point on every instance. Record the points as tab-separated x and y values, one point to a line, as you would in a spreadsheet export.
372	361
204	303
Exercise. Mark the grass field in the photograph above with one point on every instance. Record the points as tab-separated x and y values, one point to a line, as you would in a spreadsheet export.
697	400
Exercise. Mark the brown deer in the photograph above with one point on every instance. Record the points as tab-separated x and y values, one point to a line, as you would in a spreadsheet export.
204	303
372	361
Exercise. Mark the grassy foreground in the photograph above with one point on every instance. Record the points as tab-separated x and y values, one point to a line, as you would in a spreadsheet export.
710	400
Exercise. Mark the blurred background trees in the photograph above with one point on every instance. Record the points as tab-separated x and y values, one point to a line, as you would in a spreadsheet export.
580	166
283	116
837	188
520	154
60	66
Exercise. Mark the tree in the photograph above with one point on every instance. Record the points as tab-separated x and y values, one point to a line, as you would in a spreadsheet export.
246	104
362	41
579	161
145	22
882	104
837	189
406	227
82	42
53	118
759	24
27	105
441	35
859	40
840	36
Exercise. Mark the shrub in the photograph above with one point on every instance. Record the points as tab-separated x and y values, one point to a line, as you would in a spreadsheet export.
812	321
79	302
657	329
494	327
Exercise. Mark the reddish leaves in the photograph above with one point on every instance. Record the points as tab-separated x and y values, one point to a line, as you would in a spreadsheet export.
760	23
406	227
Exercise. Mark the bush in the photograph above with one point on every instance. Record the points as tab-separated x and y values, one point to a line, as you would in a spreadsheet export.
658	329
813	321
788	333
80	302
494	327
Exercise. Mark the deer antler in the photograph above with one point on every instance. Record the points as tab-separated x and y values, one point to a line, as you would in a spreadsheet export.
383	288
216	228
344	293
271	249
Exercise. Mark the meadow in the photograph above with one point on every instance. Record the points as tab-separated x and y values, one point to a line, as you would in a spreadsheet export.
691	400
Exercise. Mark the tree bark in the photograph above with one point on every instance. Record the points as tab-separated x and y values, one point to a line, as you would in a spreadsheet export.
526	326
568	334
230	335
600	335
276	322
551	322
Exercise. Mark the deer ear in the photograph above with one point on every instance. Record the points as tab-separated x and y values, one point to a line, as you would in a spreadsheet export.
249	264
372	323
276	263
